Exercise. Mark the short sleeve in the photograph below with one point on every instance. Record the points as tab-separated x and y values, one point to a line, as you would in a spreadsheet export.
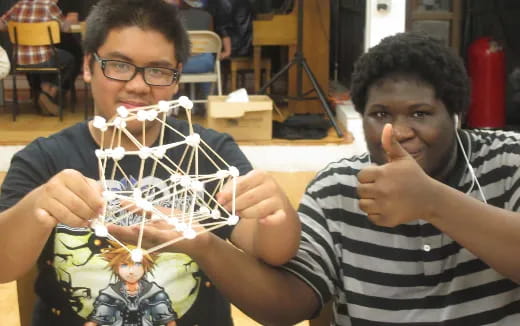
29	168
316	262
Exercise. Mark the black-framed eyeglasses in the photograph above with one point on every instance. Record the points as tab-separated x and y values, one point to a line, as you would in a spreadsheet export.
126	71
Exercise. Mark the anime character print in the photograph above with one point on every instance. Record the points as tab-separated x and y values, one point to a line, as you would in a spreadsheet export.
132	300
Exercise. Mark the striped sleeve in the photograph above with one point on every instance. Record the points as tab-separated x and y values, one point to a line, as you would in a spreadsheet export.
512	160
314	262
496	159
318	260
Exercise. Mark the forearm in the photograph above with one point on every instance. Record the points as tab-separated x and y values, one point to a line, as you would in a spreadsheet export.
269	295
277	243
22	238
490	233
226	47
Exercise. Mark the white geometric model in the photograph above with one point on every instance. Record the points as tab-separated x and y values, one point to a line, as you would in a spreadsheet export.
195	215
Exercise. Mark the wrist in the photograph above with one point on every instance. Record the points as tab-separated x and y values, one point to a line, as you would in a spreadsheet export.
436	203
202	246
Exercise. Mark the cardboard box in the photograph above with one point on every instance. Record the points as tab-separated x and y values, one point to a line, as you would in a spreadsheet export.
244	121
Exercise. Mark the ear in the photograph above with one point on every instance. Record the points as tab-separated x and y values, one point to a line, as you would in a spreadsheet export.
87	73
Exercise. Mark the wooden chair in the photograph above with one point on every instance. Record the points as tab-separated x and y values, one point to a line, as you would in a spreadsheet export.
34	34
204	42
239	65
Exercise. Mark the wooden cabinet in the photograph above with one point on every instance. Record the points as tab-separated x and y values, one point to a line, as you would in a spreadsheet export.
440	19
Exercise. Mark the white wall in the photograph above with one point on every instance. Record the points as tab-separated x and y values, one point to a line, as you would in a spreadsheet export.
383	23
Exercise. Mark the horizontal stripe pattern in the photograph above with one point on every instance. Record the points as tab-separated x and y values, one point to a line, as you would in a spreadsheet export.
383	276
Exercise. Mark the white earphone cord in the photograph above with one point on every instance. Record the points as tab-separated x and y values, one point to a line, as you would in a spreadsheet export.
474	179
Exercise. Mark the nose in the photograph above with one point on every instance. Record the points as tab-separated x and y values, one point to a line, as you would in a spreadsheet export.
137	84
402	129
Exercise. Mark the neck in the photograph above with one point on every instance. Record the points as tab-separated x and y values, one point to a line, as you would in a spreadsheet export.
443	173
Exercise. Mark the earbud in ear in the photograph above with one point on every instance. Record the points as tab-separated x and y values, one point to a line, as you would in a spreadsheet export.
456	119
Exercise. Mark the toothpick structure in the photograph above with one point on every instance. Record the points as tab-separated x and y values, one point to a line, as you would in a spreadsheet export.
190	214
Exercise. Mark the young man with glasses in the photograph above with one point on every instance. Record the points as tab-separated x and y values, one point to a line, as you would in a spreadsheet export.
134	51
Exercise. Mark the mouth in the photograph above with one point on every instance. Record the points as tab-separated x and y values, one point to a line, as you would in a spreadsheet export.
413	150
130	104
416	154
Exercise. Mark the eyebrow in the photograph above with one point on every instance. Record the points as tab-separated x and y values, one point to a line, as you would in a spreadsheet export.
412	106
421	104
377	106
120	56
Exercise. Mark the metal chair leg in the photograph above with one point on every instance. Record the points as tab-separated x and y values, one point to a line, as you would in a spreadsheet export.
15	98
2	99
60	97
73	98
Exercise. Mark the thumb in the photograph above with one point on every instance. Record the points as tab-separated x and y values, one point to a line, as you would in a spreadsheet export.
94	184
394	151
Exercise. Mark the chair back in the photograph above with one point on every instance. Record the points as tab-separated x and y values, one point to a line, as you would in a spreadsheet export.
34	34
83	28
205	42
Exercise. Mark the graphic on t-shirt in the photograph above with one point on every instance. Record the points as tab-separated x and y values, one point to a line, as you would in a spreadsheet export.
132	300
154	183
85	272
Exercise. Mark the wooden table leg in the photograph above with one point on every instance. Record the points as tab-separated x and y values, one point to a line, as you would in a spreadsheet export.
257	57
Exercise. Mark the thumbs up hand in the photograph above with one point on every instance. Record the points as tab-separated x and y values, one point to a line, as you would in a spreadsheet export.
396	192
394	151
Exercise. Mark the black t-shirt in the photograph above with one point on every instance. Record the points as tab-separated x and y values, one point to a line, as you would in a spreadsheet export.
72	272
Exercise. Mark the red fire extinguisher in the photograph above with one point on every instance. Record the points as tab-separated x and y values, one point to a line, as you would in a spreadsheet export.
486	69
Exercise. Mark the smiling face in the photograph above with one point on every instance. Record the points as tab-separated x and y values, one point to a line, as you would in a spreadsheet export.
421	123
143	48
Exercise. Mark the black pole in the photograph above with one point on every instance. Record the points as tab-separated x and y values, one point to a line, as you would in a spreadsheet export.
299	50
301	65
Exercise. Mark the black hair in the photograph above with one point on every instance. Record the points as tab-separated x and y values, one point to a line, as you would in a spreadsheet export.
155	15
411	55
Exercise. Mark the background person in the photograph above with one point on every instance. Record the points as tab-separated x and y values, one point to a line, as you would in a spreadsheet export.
45	86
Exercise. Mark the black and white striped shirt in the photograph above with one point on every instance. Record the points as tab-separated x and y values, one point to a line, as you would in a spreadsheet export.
412	274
